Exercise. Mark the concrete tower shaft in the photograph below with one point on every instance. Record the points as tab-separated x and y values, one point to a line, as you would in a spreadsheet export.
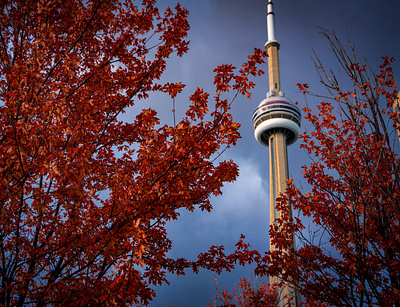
273	69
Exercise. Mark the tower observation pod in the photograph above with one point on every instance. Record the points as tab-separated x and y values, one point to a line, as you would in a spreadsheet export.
276	114
277	123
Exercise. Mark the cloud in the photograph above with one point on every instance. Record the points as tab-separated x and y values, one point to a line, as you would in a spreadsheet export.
243	198
242	208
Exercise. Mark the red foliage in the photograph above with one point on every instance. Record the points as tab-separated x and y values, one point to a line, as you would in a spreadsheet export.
84	194
246	294
351	256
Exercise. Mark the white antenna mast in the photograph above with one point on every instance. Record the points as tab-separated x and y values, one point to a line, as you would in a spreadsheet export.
271	24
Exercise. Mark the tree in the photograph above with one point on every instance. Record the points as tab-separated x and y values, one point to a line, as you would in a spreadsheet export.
85	195
350	255
249	293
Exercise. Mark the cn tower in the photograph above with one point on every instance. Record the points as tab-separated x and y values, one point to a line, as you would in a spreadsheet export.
277	124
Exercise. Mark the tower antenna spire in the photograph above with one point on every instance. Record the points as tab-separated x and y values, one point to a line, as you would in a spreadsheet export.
271	23
272	47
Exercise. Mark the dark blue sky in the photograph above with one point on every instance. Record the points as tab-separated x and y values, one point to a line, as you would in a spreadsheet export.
226	31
